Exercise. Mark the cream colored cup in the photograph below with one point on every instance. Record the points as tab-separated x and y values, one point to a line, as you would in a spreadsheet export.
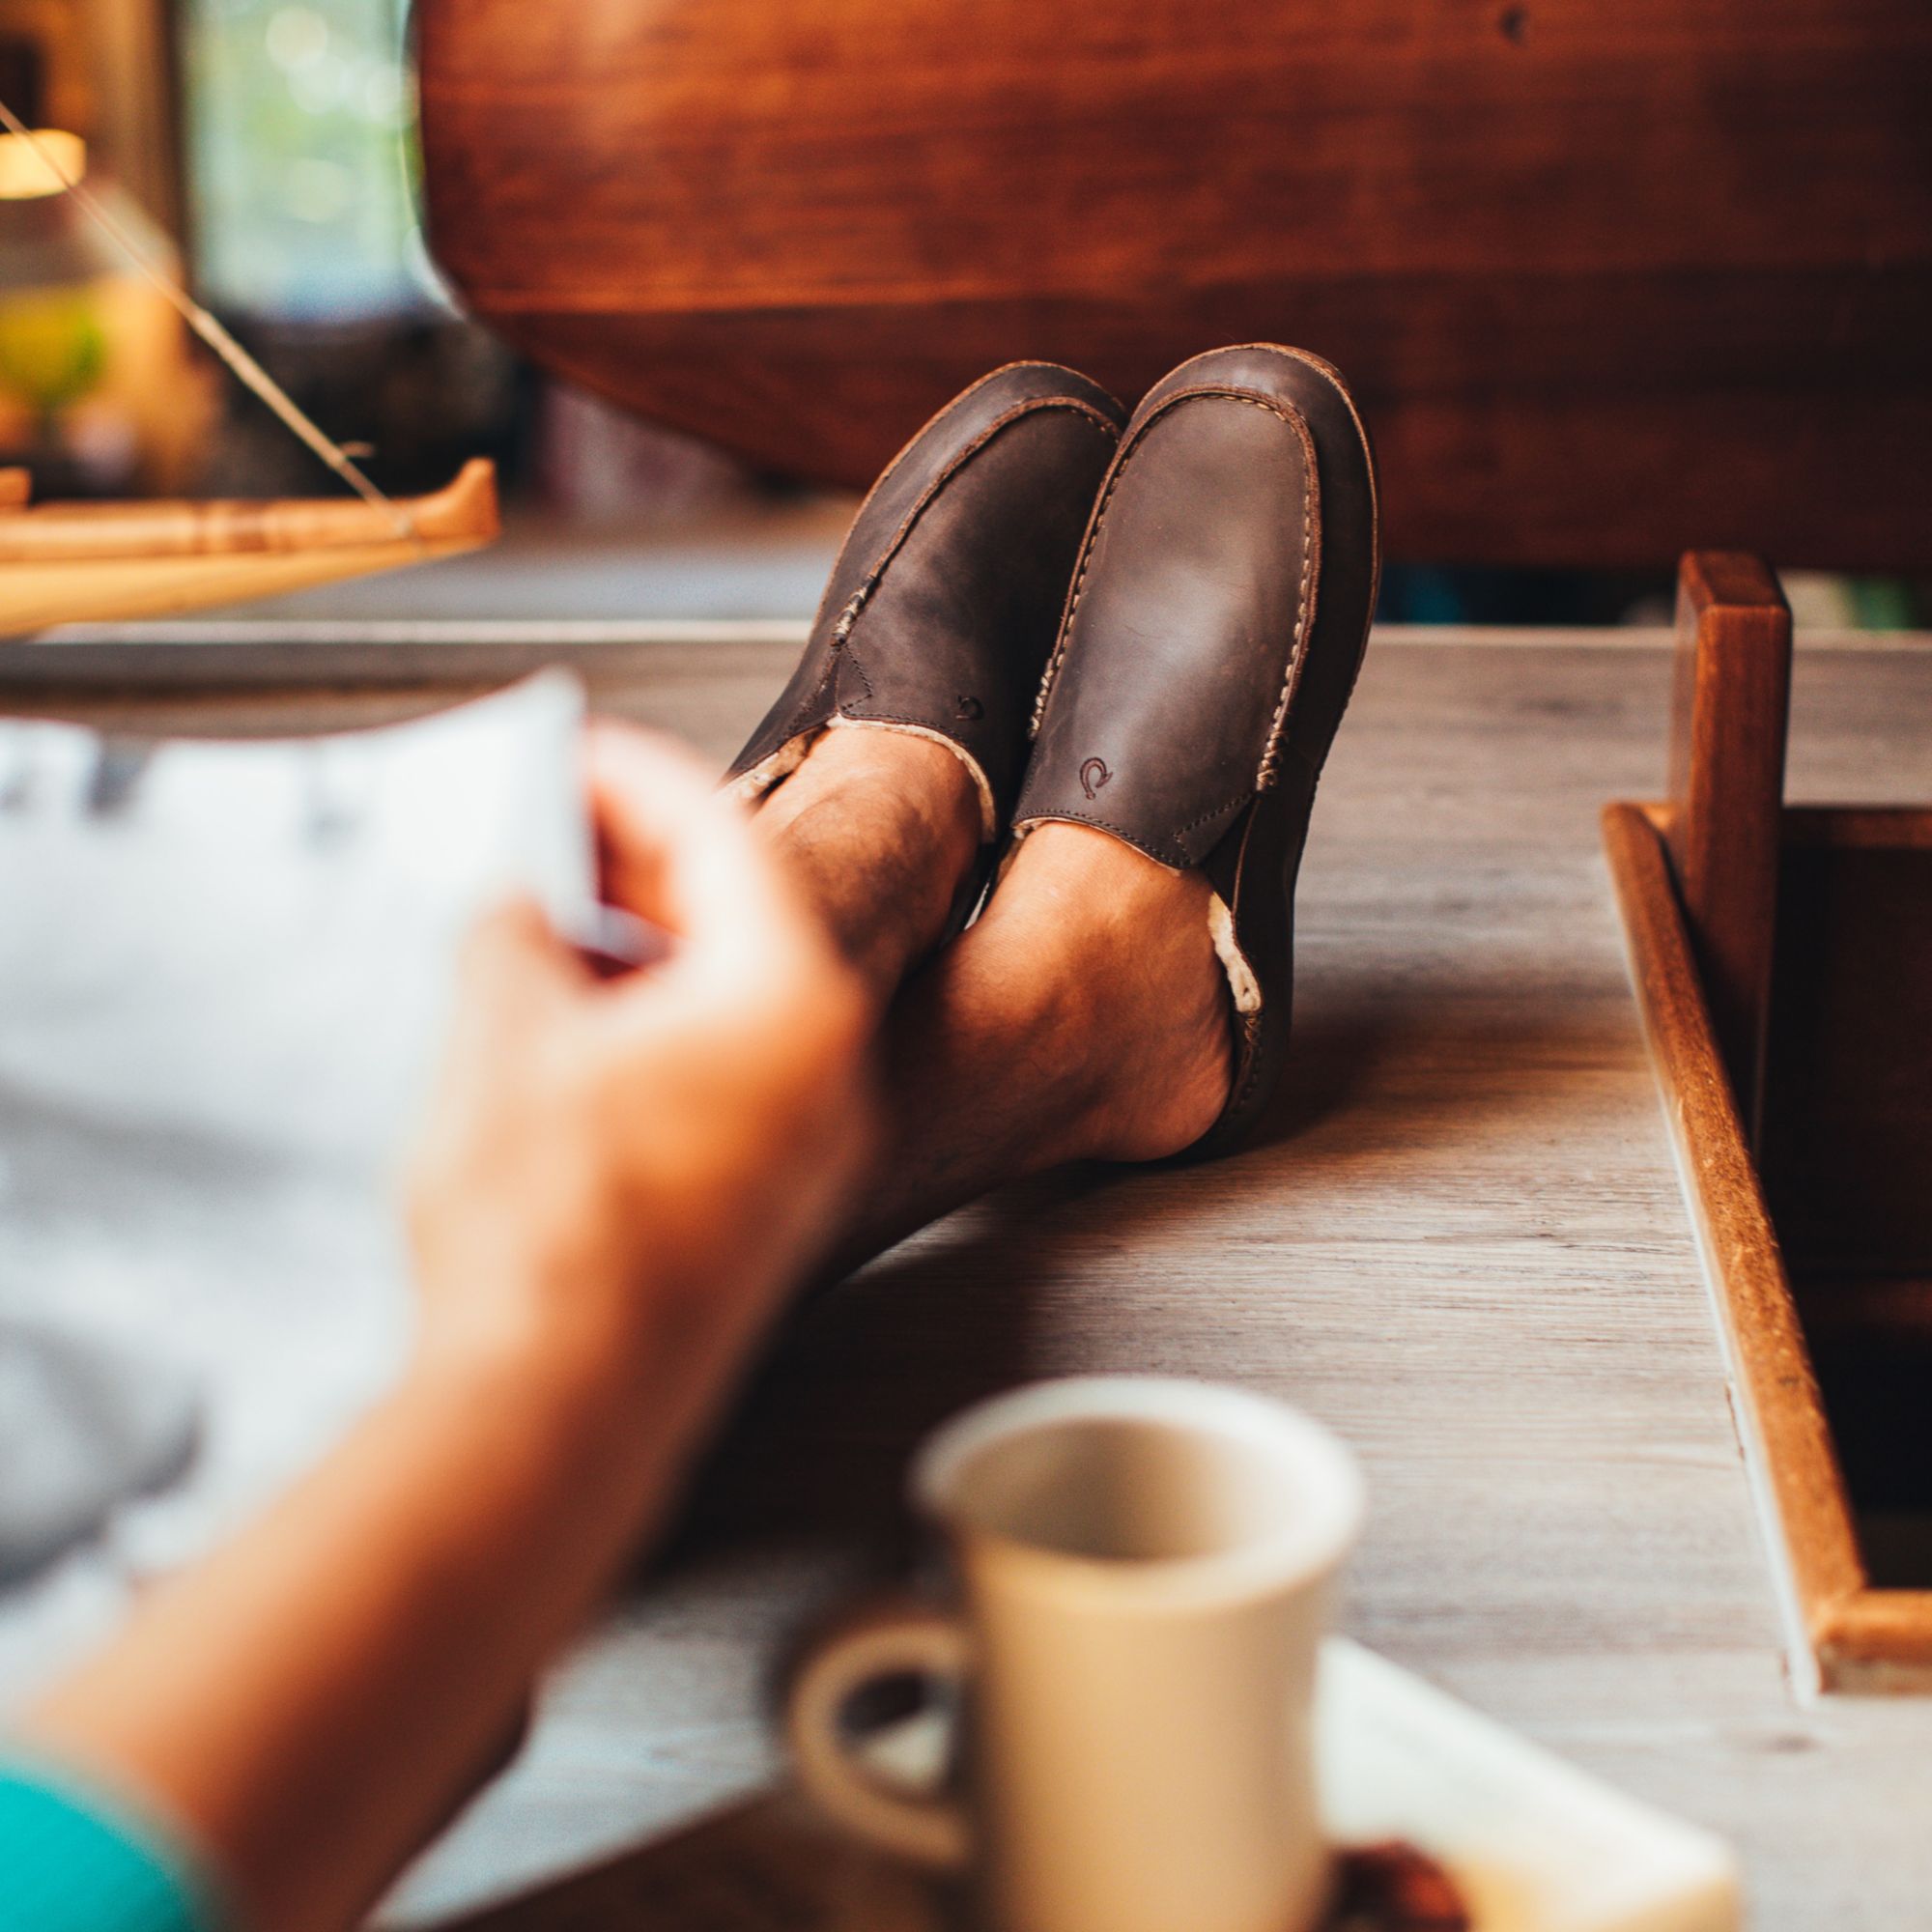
1144	1567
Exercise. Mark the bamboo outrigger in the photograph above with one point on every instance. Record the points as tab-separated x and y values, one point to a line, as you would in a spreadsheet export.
63	563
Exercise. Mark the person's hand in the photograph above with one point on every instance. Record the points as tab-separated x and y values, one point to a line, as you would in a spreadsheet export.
617	1172
618	1181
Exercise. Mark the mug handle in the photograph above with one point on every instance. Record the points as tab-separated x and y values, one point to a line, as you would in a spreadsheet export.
898	1637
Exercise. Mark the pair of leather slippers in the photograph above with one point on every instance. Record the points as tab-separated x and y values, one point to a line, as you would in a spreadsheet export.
1150	626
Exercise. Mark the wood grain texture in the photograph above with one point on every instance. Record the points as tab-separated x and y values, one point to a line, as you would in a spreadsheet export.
1794	1459
1612	278
1727	730
1790	951
1462	1243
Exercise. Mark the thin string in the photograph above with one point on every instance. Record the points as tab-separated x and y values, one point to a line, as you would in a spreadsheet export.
211	332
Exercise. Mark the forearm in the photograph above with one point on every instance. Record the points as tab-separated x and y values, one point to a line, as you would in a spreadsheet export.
616	1183
313	1701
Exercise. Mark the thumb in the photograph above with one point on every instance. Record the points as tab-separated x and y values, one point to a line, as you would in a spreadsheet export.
511	958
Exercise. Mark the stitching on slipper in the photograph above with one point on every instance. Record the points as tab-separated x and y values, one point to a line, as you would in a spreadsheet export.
1339	383
842	631
866	696
1311	566
982	786
906	448
1241	797
1323	367
1249	1072
1123	456
1129	450
808	714
1251	1044
1021	826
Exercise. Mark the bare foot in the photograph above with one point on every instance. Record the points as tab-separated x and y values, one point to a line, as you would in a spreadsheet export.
1084	1017
1129	1001
880	830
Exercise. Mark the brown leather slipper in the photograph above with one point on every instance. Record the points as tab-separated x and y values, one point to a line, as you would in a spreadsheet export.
1218	616
946	594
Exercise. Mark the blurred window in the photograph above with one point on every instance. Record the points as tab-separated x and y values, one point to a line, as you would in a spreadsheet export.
297	168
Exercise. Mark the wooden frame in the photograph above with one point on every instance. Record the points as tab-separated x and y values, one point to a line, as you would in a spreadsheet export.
1699	882
1727	775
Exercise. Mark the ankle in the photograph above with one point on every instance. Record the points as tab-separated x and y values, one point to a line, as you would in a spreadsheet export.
1015	992
881	831
922	789
1127	994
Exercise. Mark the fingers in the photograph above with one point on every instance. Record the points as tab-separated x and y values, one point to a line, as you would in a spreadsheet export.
511	960
514	978
680	856
646	792
689	1126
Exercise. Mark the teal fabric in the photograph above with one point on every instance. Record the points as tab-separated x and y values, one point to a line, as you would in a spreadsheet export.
70	1864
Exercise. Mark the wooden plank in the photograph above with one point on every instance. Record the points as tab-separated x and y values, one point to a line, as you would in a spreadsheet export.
1728	721
1793	1461
1611	276
310	648
1462	1243
300	659
1879	1640
1825	1366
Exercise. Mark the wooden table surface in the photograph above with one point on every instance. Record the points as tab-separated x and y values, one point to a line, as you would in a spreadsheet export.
1462	1245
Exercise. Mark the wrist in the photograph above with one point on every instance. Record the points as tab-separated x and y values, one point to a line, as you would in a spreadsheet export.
524	1437
599	1356
523	1358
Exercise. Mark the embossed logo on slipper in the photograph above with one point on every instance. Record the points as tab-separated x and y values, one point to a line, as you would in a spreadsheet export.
1093	774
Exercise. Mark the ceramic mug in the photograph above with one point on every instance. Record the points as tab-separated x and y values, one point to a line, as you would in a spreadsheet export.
1143	1569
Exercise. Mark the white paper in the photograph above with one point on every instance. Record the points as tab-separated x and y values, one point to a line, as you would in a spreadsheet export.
225	980
1532	1843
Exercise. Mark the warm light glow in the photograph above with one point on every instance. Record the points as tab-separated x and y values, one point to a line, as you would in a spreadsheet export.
24	173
